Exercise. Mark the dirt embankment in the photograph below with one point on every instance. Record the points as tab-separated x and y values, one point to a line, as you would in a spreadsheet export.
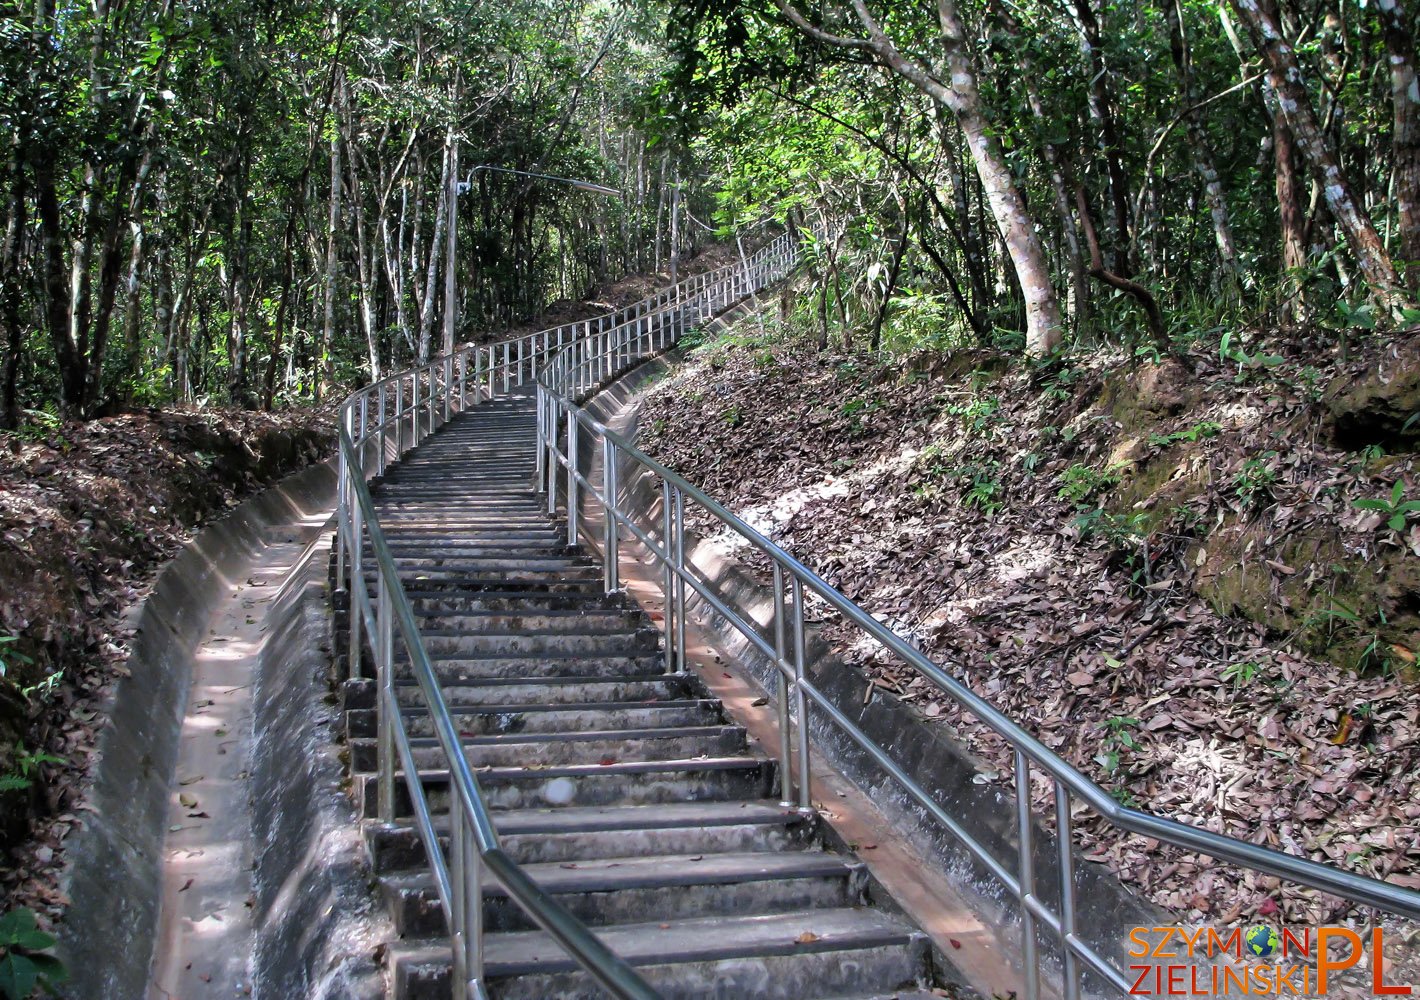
88	512
1196	581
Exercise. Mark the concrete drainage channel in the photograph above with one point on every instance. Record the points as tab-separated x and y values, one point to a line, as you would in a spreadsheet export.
220	856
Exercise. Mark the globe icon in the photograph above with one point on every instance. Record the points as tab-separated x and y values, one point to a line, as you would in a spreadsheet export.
1262	941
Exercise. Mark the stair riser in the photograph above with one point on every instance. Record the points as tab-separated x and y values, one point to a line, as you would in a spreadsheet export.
526	603
532	791
608	644
454	672
505	579
392	850
727	744
572	622
790	977
361	724
485	695
419	913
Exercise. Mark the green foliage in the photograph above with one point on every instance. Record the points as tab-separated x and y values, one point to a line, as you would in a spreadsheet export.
1200	430
1253	485
1118	741
1080	483
1230	349
979	416
859	413
24	960
1395	508
1241	674
25	766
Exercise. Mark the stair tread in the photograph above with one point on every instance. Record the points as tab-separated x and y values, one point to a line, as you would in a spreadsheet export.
433	775
653	871
565	707
700	939
664	816
586	735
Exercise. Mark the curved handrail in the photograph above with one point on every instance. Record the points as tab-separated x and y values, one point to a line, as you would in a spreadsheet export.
562	422
371	421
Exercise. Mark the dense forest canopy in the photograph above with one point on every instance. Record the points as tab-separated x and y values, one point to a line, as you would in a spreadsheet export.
249	203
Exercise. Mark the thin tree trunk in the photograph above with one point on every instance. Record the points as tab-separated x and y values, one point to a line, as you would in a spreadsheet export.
963	99
1405	134
1200	146
1285	75
326	380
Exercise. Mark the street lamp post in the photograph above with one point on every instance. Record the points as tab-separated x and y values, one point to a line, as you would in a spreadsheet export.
461	187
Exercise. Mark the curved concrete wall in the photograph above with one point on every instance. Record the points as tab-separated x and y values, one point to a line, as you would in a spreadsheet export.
114	860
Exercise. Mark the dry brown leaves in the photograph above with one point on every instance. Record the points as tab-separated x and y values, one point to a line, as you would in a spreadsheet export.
87	514
1109	656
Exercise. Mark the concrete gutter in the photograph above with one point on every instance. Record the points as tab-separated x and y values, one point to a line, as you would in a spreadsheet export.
115	872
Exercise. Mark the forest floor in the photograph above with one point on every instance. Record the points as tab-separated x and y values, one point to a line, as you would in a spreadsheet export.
88	515
1159	569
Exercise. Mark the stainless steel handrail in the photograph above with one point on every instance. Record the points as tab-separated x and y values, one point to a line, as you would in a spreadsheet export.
561	426
379	423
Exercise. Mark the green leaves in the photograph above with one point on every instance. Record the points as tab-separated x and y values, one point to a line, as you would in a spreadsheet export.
1396	509
23	966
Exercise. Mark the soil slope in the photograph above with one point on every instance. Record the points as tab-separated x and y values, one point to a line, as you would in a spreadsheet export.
1161	570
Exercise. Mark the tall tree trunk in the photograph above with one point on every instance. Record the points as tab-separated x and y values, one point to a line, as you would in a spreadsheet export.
326	380
1200	146
1285	75
1405	133
963	99
1101	103
12	295
431	279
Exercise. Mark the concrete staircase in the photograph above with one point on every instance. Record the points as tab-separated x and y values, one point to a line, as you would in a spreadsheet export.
623	789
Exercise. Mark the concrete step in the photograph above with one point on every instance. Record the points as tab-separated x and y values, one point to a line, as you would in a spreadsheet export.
649	687
630	783
589	747
449	644
569	619
785	957
456	668
474	720
426	600
577	834
494	577
645	889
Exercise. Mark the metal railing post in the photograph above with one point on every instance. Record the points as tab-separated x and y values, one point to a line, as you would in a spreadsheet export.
786	777
458	885
385	698
448	384
551	445
571	477
380	437
610	553
1030	963
463	380
362	446
668	583
341	516
678	528
1066	869
357	579
398	417
801	701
